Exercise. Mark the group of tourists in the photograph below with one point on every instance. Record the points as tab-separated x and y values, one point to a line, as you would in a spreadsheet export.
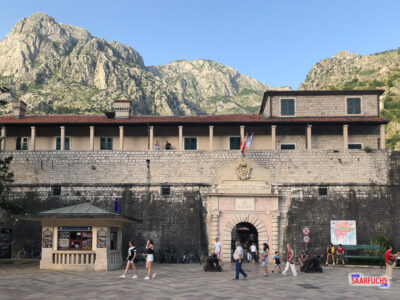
238	256
132	256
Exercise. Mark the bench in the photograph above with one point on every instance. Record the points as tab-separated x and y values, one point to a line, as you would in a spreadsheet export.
348	248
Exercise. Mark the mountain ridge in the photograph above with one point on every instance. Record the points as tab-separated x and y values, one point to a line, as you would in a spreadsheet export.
59	68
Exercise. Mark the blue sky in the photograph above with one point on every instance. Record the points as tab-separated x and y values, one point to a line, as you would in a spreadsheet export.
276	42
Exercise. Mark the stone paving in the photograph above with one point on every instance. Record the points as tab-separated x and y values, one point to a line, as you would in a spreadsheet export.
179	281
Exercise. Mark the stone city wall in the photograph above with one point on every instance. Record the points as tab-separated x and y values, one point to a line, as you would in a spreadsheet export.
361	186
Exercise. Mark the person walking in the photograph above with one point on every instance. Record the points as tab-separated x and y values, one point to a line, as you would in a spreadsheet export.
130	261
238	257
253	249
289	261
390	262
217	250
264	259
330	252
149	259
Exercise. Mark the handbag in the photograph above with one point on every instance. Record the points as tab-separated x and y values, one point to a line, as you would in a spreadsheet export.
390	262
264	258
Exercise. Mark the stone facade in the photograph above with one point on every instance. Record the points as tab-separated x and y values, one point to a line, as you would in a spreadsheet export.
361	186
323	105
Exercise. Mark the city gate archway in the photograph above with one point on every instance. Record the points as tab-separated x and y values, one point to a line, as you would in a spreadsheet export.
243	202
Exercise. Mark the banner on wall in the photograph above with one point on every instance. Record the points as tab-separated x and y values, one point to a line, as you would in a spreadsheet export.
343	232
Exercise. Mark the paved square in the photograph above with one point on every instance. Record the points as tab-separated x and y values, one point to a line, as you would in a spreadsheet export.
179	281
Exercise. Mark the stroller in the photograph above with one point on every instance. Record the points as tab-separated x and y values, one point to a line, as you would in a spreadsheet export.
212	264
312	264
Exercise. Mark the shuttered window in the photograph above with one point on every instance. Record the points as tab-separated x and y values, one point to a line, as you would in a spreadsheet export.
353	106
106	143
287	107
21	143
191	143
67	142
234	143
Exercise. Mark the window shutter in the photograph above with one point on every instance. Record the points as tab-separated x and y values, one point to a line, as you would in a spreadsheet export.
58	143
290	107
24	143
18	144
187	144
102	143
109	143
67	141
234	143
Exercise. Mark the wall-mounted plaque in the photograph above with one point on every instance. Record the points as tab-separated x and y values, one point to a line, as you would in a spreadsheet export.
244	203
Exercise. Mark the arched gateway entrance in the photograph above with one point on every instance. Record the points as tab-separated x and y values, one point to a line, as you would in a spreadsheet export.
243	208
246	234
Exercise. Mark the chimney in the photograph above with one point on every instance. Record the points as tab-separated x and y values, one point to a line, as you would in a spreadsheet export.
19	108
122	109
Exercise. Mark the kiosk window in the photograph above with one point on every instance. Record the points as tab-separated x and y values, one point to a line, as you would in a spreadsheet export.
74	240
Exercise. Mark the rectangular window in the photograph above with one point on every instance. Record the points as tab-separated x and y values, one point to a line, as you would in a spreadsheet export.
21	143
190	143
106	143
56	190
67	141
323	191
355	146
165	190
234	143
288	146
353	106
287	107
74	239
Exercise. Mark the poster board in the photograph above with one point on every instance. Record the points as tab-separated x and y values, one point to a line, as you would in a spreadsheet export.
343	232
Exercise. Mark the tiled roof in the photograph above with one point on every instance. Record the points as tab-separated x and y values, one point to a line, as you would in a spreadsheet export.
377	92
144	120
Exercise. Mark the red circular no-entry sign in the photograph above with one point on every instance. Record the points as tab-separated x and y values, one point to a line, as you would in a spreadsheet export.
306	230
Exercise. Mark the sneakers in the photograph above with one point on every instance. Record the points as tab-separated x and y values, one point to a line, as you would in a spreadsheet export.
147	278
122	276
154	275
134	276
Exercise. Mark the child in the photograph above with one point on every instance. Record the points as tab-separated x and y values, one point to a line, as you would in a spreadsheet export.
277	259
131	260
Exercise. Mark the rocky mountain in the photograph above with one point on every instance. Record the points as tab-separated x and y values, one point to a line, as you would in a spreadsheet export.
347	70
58	68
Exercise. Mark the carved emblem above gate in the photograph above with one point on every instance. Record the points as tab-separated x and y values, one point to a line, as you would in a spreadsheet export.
243	171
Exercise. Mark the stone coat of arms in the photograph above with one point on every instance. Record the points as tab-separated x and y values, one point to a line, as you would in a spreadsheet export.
243	171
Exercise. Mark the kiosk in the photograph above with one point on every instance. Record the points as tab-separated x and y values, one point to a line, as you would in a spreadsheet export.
82	237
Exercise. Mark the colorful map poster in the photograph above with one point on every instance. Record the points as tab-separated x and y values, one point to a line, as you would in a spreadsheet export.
343	232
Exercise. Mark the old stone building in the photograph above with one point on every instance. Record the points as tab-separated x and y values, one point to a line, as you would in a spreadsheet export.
315	156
